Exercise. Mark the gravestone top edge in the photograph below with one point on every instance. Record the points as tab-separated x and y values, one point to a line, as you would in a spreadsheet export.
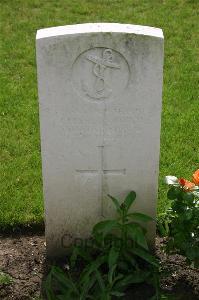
99	28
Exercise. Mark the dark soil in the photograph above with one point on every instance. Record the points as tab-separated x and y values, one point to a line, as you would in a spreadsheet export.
23	258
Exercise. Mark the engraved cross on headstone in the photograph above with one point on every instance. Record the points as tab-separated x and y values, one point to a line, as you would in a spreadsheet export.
101	171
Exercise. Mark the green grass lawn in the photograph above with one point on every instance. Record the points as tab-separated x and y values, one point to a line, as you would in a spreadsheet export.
21	186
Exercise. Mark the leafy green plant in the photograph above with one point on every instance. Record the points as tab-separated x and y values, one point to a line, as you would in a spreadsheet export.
5	278
116	257
181	221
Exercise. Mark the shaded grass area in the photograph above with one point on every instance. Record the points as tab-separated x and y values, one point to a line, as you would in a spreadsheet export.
21	186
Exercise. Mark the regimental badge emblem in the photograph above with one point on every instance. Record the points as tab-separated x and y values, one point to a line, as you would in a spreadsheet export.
101	88
100	73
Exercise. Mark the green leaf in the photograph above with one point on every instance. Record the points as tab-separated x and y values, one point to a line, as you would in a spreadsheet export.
136	233
137	277
48	287
117	294
116	203
64	280
188	215
118	277
100	281
130	198
105	227
5	278
139	217
111	273
122	265
88	284
188	196
61	297
93	266
130	259
145	255
79	251
162	230
173	193
113	256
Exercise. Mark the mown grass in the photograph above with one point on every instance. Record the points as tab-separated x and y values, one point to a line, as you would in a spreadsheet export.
21	186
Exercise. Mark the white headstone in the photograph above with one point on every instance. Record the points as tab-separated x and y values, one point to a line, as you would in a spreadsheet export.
100	89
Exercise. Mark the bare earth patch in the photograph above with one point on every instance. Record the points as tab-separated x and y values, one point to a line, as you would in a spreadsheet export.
23	258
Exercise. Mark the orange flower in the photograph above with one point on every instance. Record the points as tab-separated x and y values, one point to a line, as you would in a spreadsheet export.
186	184
196	177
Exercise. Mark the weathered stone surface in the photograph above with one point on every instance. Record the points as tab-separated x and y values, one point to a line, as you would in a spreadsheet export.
100	89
